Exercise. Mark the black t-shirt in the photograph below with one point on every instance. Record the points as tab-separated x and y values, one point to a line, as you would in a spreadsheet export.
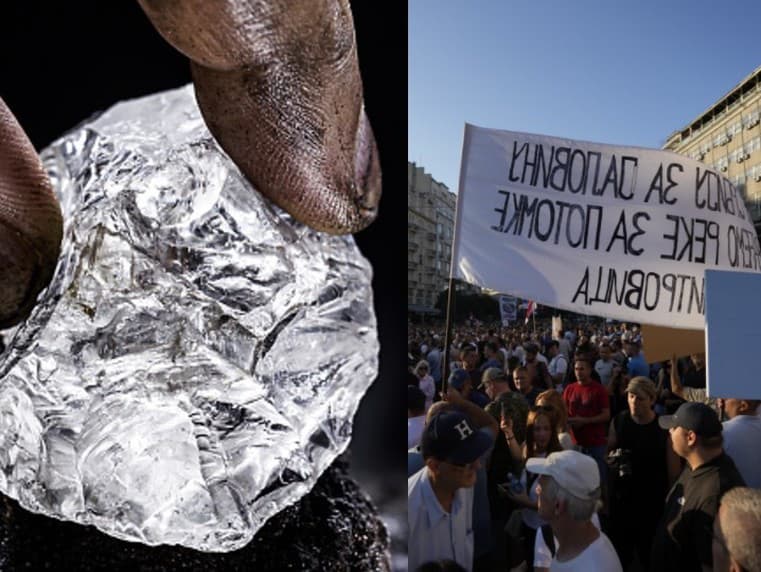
695	377
684	534
646	487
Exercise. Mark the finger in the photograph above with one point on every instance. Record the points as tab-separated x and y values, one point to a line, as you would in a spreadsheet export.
31	225
278	85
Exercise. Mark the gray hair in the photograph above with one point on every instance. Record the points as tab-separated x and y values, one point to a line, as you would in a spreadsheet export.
742	519
580	509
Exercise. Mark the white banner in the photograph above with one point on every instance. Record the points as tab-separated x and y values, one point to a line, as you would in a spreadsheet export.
620	232
508	309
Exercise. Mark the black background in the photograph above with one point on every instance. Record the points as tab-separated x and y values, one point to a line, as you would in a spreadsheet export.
60	62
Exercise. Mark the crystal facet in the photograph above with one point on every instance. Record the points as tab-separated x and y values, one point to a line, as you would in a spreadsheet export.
197	360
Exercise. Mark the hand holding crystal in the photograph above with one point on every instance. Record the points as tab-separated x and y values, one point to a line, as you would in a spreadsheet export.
279	87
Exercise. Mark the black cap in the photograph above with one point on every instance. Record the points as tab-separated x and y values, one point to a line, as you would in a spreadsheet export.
694	416
450	436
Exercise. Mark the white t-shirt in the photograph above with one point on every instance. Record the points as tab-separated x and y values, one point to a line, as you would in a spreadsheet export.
599	556
428	387
558	365
542	554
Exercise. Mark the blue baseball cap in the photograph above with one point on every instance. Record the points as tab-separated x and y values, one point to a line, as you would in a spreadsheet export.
458	378
450	436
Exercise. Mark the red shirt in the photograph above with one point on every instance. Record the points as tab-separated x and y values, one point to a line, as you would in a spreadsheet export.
587	401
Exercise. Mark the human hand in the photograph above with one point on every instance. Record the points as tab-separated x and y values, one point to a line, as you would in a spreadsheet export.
325	173
506	426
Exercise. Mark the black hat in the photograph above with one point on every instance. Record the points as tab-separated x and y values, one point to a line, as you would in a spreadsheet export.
694	416
450	436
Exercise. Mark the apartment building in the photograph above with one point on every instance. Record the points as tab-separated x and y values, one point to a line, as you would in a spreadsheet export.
727	137
430	228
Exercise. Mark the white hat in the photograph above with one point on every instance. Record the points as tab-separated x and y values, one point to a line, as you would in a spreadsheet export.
573	471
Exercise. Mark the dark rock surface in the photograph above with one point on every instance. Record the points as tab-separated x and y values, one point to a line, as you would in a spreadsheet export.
334	527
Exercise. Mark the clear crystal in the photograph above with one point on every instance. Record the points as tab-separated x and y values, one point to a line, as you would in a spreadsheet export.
197	360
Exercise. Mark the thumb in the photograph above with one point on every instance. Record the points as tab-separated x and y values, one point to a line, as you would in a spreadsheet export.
31	225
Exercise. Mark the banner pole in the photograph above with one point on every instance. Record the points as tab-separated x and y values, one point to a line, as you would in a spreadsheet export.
453	260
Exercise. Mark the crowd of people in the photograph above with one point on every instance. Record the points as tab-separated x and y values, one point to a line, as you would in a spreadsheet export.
567	450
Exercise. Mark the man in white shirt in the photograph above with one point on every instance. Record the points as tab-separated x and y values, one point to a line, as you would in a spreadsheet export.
569	494
558	363
742	436
440	495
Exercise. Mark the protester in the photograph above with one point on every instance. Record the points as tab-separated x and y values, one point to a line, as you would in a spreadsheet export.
737	532
415	415
558	364
440	495
461	380
742	437
552	402
435	359
588	413
643	465
536	366
683	536
568	496
604	365
541	440
636	365
524	383
688	393
425	382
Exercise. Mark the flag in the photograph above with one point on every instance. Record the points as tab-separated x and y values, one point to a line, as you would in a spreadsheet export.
529	310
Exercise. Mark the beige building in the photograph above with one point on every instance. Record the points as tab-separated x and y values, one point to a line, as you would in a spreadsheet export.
430	227
727	137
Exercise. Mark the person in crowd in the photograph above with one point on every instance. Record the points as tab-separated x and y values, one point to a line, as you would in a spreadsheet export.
426	382
742	437
618	355
619	381
552	402
604	365
636	366
435	359
688	393
563	344
415	415
492	357
536	364
469	359
643	465
524	384
568	496
737	532
440	496
558	364
682	538
694	374
461	380
541	440
588	413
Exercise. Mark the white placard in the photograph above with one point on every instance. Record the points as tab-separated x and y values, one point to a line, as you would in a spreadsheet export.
619	232
508	309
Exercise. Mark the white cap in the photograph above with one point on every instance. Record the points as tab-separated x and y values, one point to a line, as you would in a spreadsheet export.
573	471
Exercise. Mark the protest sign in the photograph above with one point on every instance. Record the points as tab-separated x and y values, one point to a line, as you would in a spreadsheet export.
557	325
619	232
508	309
659	343
732	334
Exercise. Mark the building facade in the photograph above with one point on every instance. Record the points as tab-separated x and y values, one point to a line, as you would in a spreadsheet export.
430	228
727	137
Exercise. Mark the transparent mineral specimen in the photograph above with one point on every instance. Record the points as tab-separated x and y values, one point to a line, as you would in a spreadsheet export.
197	360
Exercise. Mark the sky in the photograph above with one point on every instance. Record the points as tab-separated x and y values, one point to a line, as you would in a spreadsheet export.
609	71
